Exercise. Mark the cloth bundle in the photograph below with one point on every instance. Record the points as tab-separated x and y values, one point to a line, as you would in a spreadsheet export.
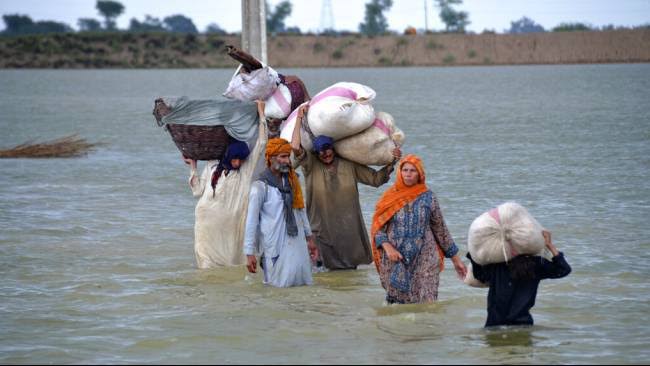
339	111
257	85
504	232
374	145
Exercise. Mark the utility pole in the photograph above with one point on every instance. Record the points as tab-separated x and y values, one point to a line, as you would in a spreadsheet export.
426	17
253	29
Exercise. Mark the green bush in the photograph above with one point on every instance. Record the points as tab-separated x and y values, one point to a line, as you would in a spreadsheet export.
449	59
318	47
337	55
471	54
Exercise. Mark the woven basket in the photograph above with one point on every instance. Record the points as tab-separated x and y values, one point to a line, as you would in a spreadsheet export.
199	142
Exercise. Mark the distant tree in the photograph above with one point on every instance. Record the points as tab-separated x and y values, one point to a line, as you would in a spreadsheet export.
293	30
275	18
525	25
16	23
375	22
88	24
455	21
214	28
572	27
109	10
150	24
23	24
180	24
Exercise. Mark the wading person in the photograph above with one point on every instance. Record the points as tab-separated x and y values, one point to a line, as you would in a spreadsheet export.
411	238
222	189
513	285
277	218
333	200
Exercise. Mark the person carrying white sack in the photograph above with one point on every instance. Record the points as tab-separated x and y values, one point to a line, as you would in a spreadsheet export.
222	189
332	199
513	278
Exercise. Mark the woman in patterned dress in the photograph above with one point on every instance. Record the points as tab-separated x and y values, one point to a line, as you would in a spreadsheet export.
410	238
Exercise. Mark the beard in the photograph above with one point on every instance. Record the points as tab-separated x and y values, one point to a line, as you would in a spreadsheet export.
282	168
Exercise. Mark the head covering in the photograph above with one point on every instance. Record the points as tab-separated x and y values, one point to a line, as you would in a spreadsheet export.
396	197
236	150
323	142
278	146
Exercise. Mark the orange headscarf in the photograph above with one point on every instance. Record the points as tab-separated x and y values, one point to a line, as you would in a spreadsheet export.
396	197
278	146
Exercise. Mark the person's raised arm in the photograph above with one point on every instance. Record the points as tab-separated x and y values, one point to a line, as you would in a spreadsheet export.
558	266
295	137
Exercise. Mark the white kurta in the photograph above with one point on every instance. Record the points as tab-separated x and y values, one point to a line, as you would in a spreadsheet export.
286	258
220	218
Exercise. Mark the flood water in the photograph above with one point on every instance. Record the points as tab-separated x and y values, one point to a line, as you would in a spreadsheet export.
96	253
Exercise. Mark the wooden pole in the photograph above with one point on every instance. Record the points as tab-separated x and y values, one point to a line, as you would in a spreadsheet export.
253	32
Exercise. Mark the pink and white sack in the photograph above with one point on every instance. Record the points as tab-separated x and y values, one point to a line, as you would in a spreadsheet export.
503	233
278	105
339	111
375	144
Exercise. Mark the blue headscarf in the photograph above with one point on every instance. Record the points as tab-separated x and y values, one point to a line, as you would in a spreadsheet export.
236	150
322	143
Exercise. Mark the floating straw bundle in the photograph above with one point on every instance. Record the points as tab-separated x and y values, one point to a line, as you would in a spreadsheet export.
64	147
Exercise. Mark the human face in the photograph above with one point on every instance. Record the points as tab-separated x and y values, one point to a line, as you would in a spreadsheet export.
280	163
235	163
410	174
326	156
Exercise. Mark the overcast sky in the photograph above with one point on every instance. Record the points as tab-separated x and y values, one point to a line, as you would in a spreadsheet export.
483	14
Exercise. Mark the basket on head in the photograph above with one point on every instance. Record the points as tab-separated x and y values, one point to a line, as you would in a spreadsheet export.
199	142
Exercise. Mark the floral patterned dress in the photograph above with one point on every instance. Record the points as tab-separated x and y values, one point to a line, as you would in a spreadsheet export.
415	231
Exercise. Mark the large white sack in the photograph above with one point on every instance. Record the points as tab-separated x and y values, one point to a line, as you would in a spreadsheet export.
278	105
257	85
374	145
339	111
504	232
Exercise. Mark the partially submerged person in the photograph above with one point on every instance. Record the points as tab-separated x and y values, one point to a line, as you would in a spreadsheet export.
277	218
513	285
333	199
411	238
222	189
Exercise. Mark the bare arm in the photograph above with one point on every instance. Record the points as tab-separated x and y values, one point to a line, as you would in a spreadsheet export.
295	138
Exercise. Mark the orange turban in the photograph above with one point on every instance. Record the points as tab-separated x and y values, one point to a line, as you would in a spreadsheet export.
396	197
277	146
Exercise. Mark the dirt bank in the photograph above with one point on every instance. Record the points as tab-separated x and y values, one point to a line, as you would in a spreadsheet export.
165	50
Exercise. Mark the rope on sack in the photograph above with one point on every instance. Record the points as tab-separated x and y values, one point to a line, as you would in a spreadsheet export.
494	213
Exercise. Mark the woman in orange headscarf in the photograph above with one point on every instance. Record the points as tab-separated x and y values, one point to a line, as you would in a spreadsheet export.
410	238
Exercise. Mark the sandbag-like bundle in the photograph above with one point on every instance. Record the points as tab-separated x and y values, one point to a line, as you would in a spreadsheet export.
278	105
374	145
257	85
503	233
340	111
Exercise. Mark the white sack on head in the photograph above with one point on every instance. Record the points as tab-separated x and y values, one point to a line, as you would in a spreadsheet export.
339	111
278	105
374	145
257	85
504	232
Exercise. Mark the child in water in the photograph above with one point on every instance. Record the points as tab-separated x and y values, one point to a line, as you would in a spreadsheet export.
513	285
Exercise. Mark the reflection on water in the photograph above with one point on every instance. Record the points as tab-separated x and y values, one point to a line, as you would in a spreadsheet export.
96	253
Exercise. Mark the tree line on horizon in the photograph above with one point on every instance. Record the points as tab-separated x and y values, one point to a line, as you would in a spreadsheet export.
374	22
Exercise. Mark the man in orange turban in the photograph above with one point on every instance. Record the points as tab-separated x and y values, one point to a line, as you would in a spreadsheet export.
276	211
